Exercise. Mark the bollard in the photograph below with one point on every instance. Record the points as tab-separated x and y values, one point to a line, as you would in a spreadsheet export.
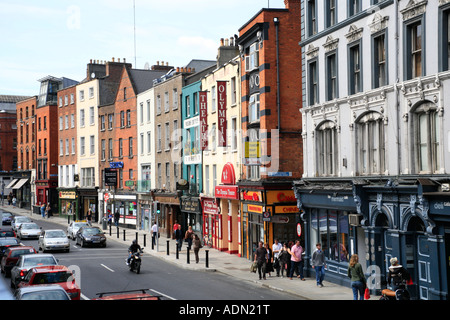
145	240
207	258
124	235
117	232
188	258
167	247
177	252
137	237
110	229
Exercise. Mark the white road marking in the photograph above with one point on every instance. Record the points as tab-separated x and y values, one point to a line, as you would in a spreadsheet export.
84	297
162	294
107	267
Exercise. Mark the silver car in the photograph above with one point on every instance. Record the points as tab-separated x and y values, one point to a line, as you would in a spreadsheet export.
28	230
73	227
26	262
42	292
18	220
54	239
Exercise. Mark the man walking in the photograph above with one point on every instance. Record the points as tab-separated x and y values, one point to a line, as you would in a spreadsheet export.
296	260
276	248
261	260
318	264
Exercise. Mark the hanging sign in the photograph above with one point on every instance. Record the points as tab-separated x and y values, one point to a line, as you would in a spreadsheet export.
203	121
222	112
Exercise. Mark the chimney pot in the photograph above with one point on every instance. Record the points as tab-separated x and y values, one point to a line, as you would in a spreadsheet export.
113	59
221	42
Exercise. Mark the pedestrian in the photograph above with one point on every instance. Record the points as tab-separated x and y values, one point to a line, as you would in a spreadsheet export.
284	257
296	260
276	248
110	217
116	217
43	210
197	245
48	210
9	199
188	237
179	237
356	275
175	228
89	217
14	200
318	264
155	233
261	260
269	263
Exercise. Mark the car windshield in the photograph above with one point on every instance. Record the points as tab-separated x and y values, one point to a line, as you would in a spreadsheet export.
22	219
8	242
79	224
39	261
52	277
7	233
5	215
45	295
55	234
92	231
30	226
18	253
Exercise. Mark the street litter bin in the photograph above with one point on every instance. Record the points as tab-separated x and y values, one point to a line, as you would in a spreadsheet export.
104	222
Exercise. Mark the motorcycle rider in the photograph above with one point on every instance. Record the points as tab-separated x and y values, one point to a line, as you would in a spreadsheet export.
398	275
135	247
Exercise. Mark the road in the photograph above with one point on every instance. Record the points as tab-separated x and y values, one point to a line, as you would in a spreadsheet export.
104	270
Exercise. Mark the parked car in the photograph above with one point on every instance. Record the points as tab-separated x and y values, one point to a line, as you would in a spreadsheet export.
54	239
50	275
11	257
18	220
7	218
7	242
42	292
90	236
7	233
29	230
73	228
26	262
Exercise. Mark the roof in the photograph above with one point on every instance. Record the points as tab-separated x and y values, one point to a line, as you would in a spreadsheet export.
200	65
12	99
143	79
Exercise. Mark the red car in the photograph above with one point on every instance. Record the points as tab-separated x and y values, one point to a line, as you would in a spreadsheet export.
12	254
53	275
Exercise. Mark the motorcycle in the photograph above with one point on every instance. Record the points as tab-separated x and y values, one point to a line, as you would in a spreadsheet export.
400	294
135	262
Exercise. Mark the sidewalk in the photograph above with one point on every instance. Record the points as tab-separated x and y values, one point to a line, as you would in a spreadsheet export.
225	263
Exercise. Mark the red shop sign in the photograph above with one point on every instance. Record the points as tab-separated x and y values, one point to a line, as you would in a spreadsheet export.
228	175
227	192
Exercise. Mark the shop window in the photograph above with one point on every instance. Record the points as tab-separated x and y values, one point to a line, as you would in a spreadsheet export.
331	229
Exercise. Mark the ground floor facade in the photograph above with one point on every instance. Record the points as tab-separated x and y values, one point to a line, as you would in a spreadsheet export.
378	220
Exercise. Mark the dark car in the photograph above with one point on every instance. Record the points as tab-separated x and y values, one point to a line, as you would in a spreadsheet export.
7	218
11	257
90	236
7	233
6	243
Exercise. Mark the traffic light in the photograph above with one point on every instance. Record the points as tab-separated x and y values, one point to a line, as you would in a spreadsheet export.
155	207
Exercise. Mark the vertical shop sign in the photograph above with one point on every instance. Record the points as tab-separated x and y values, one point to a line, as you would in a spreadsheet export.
222	112
203	121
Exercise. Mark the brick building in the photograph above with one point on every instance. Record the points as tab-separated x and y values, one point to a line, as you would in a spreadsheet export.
271	96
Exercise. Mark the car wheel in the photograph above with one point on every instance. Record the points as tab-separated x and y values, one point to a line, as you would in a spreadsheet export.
82	243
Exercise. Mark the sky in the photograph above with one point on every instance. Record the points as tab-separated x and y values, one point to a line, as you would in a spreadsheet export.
58	38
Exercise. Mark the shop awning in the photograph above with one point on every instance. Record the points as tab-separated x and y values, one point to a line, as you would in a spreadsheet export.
19	184
11	183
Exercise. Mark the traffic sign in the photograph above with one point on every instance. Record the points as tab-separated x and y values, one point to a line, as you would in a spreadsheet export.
299	229
106	196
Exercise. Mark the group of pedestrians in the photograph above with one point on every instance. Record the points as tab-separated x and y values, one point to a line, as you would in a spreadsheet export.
287	258
192	239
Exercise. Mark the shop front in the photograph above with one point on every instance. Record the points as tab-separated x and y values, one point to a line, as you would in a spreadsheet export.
253	226
228	216
326	209
212	224
191	212
145	219
22	189
68	203
88	198
169	206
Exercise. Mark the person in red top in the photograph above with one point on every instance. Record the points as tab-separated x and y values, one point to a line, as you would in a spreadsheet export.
296	260
175	228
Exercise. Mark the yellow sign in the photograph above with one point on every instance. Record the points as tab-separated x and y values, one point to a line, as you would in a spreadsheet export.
67	194
286	209
253	208
276	196
252	150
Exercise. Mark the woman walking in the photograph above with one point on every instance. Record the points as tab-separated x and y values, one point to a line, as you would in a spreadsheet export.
358	280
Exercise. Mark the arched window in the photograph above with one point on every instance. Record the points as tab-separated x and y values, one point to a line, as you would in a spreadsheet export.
370	144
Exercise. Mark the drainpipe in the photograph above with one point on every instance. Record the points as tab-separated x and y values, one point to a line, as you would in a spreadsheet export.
276	23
